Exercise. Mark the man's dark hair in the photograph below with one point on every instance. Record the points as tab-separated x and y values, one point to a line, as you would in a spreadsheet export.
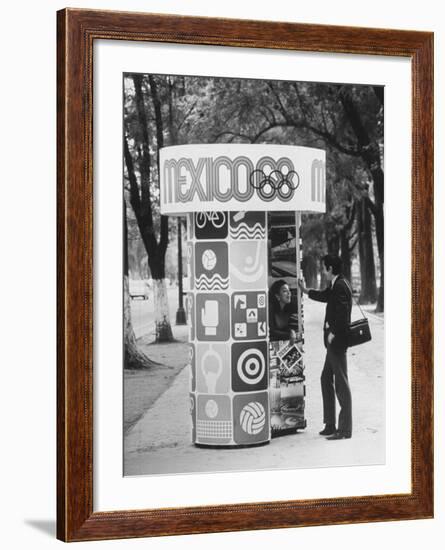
330	260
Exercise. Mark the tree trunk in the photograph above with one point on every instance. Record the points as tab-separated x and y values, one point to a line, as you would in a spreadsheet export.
323	280
378	177
368	293
133	357
142	206
163	331
370	154
333	242
309	266
345	252
379	230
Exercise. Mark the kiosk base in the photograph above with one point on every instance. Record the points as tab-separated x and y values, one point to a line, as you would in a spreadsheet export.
204	446
280	431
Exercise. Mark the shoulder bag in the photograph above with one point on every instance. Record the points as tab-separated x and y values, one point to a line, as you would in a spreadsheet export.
359	331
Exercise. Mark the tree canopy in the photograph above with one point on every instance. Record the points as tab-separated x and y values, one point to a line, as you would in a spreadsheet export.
346	120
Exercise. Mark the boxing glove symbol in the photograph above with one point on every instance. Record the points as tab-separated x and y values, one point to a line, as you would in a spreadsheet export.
209	317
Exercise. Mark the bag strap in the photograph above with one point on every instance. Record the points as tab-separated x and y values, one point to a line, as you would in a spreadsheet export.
352	296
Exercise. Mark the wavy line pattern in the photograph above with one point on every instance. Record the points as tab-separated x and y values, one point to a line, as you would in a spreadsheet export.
216	282
243	231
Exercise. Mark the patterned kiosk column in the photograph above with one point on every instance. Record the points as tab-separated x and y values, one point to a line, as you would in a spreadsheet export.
227	307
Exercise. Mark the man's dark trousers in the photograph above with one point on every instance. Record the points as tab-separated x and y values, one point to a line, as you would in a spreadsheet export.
335	371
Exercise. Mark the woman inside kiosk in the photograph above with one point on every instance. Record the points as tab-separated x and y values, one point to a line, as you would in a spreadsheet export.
283	316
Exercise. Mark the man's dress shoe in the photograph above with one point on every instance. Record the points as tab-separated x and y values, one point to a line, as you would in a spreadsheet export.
328	430
339	435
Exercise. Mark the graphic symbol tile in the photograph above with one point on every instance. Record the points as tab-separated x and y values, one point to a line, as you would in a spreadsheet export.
249	322
247	225
240	301
261	300
213	368
212	317
252	315
251	418
248	265
211	225
211	266
240	330
249	366
214	419
262	328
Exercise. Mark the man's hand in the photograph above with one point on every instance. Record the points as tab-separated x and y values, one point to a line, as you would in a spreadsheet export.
302	286
330	337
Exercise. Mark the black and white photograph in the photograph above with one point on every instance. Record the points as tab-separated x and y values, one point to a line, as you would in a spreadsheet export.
253	274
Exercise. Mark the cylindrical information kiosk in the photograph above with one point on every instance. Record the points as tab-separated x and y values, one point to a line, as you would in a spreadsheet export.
242	204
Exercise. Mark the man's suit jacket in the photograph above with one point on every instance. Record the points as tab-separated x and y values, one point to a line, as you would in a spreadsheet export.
338	299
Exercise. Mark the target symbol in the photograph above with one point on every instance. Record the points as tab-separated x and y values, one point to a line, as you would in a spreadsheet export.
251	366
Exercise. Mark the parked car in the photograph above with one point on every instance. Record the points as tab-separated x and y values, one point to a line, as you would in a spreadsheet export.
138	289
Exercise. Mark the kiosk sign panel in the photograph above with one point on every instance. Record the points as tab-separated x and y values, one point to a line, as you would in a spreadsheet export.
212	179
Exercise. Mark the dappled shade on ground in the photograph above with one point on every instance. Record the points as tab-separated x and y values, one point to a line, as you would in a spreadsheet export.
143	387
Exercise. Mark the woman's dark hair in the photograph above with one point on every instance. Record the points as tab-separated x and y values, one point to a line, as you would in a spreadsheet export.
273	291
335	262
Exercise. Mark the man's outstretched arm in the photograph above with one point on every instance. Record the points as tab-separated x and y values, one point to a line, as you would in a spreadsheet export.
317	295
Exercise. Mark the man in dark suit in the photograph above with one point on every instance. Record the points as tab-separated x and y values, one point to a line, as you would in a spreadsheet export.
334	377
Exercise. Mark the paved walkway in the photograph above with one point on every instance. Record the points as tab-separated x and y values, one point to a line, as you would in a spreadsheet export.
160	442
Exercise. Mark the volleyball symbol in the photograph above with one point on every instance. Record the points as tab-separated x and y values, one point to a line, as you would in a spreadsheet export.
251	366
208	259
253	418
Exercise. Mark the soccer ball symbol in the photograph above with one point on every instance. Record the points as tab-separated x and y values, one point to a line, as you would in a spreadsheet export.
211	408
208	259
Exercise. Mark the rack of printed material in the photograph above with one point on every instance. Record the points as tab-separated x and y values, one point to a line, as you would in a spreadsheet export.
287	387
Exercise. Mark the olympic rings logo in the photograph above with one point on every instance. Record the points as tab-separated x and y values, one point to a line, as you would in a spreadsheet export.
268	185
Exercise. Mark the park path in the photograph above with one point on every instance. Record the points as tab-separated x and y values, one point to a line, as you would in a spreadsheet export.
161	441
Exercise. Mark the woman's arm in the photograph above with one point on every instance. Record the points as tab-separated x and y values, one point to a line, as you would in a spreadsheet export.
278	334
283	333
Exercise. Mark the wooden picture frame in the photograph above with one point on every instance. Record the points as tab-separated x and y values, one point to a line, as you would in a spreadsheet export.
77	31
